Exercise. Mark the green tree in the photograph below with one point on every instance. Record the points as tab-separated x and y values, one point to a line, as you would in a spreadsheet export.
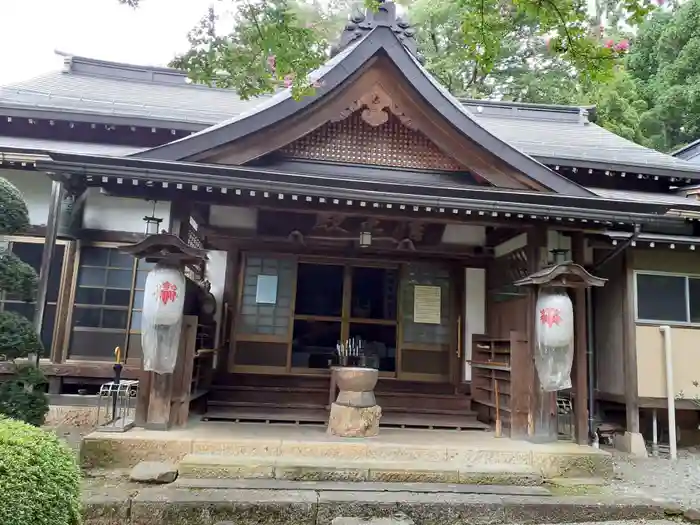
620	107
20	395
664	62
269	42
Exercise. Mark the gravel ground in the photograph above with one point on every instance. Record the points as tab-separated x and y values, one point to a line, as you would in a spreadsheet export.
660	477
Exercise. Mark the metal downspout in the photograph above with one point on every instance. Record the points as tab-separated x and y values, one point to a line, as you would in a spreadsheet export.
590	330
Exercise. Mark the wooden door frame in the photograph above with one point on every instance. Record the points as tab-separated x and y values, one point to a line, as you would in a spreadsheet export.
454	347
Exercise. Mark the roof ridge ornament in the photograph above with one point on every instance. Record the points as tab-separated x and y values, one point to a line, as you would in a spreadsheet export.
362	23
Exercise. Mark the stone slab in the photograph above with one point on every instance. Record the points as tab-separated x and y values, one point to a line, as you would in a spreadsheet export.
440	509
465	448
226	467
367	486
177	506
403	472
204	507
330	469
106	509
513	474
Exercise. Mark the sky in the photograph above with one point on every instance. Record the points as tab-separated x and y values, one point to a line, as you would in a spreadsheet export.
33	29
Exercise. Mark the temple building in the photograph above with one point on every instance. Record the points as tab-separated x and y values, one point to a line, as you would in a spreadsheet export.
380	209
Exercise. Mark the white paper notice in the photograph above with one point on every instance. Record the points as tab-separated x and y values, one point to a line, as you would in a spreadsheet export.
426	304
266	292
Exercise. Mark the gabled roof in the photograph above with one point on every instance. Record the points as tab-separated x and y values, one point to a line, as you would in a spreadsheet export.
101	91
564	136
139	95
340	71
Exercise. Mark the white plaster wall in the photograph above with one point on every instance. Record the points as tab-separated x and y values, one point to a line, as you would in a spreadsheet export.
464	234
106	212
515	243
36	190
216	275
233	217
475	312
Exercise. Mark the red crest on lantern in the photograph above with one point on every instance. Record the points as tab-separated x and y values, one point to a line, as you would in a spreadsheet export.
550	316
167	292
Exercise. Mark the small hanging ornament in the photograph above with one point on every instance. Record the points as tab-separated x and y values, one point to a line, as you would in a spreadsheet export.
555	339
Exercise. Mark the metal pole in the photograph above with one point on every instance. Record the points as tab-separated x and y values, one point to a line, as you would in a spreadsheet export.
592	370
670	393
47	256
654	433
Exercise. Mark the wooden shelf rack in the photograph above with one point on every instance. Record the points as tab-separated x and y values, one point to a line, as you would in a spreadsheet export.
491	373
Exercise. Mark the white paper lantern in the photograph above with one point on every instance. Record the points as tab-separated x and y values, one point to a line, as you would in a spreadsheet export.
161	321
555	318
164	295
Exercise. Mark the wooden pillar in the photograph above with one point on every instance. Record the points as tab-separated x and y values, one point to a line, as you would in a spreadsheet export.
180	219
542	420
47	256
164	399
533	412
629	345
580	347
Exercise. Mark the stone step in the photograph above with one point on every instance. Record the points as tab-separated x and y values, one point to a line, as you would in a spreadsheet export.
367	486
334	469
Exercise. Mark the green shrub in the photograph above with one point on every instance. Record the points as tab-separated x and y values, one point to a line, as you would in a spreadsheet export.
39	477
22	396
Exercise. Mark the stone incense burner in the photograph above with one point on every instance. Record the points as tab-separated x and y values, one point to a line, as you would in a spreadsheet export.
355	412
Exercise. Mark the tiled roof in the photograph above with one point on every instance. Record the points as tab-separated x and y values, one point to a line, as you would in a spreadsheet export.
87	148
643	196
104	88
551	134
561	134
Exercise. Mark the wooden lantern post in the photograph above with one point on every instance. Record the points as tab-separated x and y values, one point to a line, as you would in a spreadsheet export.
543	407
160	395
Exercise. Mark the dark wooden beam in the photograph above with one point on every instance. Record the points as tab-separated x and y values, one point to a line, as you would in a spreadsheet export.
88	369
542	424
578	247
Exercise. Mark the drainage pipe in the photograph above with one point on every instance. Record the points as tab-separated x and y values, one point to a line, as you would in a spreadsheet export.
654	433
670	393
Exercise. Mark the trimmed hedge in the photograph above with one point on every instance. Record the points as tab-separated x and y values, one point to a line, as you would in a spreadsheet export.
39	477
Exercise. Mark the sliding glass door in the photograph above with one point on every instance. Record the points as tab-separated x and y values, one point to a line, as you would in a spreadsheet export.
293	313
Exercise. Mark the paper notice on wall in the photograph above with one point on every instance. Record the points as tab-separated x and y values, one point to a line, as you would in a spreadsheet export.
426	304
266	292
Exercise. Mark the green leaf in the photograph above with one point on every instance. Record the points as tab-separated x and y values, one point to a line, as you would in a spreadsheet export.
39	477
17	277
14	216
17	337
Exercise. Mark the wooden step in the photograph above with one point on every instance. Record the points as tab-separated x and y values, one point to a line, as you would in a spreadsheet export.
323	406
316	415
265	396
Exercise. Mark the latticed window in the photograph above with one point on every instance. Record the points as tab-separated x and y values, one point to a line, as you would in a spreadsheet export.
107	303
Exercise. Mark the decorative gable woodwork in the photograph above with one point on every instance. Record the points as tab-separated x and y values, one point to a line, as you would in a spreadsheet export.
356	140
372	130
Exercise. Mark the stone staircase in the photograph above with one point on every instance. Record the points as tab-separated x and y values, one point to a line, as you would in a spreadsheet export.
212	466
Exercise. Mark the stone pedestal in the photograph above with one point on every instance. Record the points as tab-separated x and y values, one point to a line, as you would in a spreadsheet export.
347	421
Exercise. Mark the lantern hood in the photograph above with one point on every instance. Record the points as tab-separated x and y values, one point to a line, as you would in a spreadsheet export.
566	275
167	248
